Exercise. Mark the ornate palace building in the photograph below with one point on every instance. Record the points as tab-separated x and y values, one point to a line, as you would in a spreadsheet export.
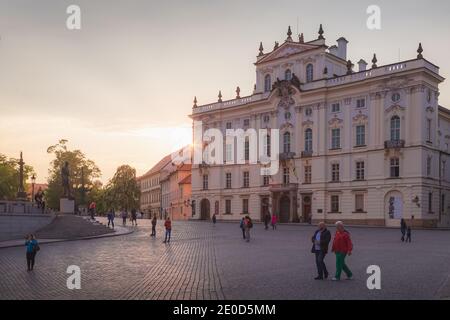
366	146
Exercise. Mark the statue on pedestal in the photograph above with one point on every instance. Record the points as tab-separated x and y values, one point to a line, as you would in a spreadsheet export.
65	177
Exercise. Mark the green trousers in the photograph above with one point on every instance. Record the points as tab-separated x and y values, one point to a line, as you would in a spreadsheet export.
340	265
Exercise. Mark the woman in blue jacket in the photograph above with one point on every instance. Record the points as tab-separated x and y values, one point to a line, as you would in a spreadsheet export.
32	248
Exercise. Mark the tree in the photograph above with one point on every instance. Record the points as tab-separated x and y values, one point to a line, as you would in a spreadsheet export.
9	177
82	174
122	191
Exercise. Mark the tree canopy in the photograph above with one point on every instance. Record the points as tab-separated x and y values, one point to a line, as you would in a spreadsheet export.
122	191
9	177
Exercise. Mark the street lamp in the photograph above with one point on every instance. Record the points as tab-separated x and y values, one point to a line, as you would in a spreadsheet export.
33	181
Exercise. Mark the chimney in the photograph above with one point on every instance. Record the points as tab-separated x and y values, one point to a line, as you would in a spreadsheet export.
333	50
342	48
362	65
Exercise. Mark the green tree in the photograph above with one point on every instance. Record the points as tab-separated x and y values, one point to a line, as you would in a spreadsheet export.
122	191
9	177
82	172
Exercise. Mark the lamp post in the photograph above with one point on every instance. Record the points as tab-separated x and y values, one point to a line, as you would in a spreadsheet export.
33	181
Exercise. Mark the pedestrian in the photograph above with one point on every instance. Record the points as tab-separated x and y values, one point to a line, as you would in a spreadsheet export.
43	206
111	216
124	216
321	240
403	228
409	229
248	224
214	219
32	248
168	226
242	226
154	221
342	247
274	221
266	221
92	207
134	217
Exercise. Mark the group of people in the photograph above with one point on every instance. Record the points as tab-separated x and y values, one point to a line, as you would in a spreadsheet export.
246	225
124	215
167	226
405	229
270	220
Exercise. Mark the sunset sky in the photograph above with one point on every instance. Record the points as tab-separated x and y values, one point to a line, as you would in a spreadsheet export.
121	88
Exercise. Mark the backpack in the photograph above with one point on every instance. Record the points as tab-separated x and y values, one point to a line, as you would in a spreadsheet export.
250	224
36	247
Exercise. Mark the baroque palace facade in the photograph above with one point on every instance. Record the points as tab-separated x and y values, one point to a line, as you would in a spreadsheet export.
367	146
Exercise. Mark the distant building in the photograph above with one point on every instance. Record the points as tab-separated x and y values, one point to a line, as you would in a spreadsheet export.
150	201
367	146
176	191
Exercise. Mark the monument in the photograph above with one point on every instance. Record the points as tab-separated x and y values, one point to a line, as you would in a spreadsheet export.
66	203
21	194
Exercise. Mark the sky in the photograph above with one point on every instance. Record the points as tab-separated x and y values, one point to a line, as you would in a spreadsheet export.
121	88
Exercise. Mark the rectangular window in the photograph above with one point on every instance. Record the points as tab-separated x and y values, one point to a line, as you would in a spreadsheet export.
430	202
428	130
360	103
205	182
246	122
227	206
247	149
265	181
395	167
360	174
359	203
307	174
286	175
335	204
228	153
246	179
245	206
429	166
335	172
335	107
360	135
228	180
335	138
228	125
443	203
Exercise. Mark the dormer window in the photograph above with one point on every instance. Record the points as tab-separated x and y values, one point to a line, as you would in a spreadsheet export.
309	73
288	75
267	83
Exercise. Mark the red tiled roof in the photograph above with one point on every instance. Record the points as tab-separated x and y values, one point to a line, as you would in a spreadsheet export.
161	164
186	180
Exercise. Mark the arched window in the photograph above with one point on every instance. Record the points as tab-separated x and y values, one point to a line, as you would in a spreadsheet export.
267	83
309	73
395	128
287	142
288	75
308	140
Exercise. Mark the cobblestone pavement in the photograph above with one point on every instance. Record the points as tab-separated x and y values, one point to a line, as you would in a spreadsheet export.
213	262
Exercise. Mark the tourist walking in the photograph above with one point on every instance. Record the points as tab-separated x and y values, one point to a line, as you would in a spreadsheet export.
403	228
266	221
124	215
321	240
32	248
168	226
409	229
92	207
342	247
134	217
111	216
154	221
248	224
242	226
214	219
274	221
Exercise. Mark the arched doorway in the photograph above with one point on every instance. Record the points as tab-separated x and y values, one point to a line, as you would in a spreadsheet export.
205	210
285	206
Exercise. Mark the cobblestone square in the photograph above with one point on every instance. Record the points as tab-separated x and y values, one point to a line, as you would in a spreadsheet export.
205	262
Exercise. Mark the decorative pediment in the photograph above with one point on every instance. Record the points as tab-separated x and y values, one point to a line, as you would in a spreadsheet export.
286	125
335	122
307	123
285	50
395	108
360	118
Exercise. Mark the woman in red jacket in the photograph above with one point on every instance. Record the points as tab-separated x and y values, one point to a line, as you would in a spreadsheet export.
342	246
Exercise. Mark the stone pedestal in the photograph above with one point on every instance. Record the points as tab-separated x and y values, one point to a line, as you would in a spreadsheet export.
66	206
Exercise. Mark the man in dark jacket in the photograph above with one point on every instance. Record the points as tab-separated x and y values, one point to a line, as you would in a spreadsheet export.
321	240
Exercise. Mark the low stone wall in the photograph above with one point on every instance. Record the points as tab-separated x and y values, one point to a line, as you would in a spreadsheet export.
16	226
